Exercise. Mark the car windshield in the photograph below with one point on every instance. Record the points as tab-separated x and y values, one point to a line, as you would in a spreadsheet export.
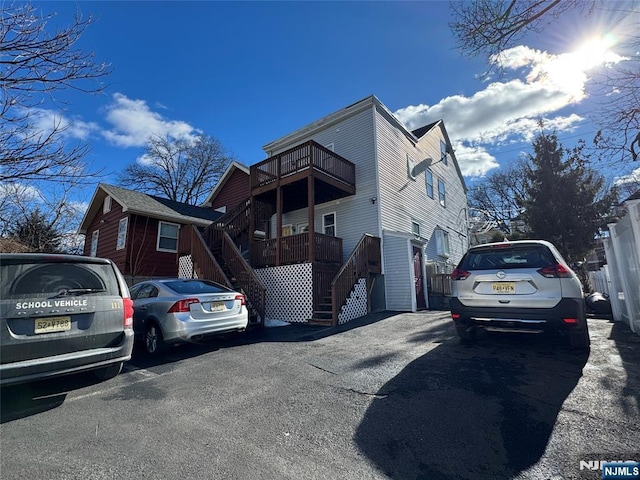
522	256
192	287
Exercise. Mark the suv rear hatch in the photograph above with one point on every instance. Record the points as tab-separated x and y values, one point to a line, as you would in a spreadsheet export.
508	275
52	307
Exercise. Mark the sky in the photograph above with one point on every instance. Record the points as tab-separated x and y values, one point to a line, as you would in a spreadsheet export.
248	73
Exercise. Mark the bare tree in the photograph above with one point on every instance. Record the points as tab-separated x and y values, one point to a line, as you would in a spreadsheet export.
35	66
487	27
178	169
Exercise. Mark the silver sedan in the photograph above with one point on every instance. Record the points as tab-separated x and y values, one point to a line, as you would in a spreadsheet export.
174	310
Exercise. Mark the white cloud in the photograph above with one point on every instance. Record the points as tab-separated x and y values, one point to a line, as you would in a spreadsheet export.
632	178
45	121
134	123
509	111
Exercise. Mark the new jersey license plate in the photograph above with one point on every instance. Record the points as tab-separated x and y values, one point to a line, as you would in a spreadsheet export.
503	287
54	324
217	306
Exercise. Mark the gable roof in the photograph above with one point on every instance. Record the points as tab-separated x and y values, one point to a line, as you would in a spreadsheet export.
233	166
147	205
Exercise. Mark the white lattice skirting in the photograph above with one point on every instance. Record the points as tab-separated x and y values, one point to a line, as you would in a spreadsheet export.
185	267
289	294
356	305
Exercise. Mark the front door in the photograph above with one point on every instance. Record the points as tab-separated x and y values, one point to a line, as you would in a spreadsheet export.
418	278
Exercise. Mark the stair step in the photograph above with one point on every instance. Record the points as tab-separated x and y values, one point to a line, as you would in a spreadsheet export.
322	314
321	322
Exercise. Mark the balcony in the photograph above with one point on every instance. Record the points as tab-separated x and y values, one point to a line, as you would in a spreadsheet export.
295	249
333	176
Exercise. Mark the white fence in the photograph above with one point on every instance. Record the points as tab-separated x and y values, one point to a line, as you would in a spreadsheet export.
622	250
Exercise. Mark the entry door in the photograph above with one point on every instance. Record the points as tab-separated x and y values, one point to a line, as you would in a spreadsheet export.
418	278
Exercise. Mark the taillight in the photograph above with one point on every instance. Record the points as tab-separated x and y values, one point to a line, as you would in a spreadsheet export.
243	301
458	274
556	270
182	306
570	321
128	312
455	316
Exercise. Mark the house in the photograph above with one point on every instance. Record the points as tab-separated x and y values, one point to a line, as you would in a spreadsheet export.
139	232
385	204
232	189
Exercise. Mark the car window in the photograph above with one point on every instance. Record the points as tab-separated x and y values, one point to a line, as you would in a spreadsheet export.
147	291
524	256
193	287
48	279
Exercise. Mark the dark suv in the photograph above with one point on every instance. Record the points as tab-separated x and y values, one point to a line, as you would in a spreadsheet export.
62	314
522	286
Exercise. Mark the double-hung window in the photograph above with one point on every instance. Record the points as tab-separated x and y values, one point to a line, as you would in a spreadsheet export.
94	243
167	237
428	176
122	233
441	193
442	243
329	224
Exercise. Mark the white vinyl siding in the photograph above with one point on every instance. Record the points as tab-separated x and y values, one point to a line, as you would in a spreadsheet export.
398	277
167	237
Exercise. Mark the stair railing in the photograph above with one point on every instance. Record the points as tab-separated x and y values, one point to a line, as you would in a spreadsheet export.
192	243
363	261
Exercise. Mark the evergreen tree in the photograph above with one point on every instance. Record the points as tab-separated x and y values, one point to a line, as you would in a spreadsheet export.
37	233
565	200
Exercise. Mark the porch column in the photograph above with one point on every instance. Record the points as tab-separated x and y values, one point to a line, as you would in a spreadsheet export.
252	223
278	222
311	219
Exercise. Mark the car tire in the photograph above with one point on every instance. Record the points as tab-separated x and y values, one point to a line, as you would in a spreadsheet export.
580	338
153	340
109	372
466	335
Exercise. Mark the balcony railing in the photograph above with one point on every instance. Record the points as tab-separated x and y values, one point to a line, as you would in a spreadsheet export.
309	155
295	249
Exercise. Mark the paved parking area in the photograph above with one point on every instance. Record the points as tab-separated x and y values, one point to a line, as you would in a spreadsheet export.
388	396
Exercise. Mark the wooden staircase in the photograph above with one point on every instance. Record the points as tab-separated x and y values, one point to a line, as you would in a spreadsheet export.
324	314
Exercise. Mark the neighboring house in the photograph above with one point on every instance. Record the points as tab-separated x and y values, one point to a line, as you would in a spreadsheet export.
138	231
232	189
384	204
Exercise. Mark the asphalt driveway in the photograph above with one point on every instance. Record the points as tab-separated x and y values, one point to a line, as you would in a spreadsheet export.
387	396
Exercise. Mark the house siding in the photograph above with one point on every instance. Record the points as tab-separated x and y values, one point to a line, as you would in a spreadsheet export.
397	277
352	138
107	226
235	190
404	200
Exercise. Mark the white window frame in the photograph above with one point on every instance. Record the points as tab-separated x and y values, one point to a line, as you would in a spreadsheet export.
160	223
428	174
284	227
443	247
106	205
334	225
123	225
443	152
414	230
94	243
300	228
442	193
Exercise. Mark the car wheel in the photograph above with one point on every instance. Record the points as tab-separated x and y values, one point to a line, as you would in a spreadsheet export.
580	338
154	343
466	334
111	371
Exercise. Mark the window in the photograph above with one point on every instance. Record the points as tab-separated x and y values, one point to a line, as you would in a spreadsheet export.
167	237
443	152
415	228
106	206
428	176
441	193
302	228
94	243
442	243
287	230
122	233
329	224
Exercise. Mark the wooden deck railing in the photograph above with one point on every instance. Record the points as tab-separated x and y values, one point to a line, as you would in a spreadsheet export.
363	261
295	249
191	242
439	283
303	157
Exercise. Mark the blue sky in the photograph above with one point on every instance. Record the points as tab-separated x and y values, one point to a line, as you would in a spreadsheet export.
247	73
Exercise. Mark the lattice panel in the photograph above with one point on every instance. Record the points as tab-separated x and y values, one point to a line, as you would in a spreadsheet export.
356	305
289	292
185	267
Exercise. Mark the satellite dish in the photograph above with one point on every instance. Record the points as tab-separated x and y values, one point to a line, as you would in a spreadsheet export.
421	167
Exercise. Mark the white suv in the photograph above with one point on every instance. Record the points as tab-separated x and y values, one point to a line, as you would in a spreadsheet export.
522	286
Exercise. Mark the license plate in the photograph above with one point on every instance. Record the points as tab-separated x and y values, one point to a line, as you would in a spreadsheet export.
217	306
55	324
503	287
